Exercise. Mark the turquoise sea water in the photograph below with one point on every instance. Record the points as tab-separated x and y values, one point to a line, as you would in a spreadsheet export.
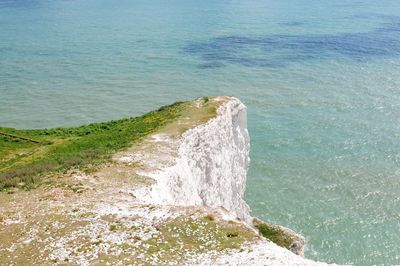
321	80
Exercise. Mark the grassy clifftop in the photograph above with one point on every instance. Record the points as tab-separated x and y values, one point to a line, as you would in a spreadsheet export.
26	155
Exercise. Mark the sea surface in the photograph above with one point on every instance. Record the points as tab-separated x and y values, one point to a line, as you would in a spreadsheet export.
321	80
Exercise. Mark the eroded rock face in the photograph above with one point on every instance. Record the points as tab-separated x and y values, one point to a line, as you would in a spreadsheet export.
211	165
210	168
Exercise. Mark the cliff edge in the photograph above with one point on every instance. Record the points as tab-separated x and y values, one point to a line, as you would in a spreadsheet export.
176	197
210	164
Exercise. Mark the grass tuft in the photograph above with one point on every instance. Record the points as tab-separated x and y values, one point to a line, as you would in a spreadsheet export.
276	235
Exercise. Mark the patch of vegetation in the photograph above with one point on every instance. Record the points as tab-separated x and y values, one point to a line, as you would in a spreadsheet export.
36	252
187	235
25	162
193	115
113	227
209	217
275	234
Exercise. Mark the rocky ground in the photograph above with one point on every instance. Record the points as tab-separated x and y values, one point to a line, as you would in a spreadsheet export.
95	219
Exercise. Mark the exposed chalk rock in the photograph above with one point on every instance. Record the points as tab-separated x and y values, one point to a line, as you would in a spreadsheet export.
211	165
209	169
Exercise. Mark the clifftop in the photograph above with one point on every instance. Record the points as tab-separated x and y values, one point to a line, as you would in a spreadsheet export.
174	196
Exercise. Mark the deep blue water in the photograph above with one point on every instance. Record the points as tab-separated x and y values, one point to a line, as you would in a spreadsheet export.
321	80
279	50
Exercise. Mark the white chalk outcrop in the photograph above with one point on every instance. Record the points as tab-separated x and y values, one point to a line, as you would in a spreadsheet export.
211	165
207	166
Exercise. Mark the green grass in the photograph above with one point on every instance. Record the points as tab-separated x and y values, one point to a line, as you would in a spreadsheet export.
23	163
275	234
188	235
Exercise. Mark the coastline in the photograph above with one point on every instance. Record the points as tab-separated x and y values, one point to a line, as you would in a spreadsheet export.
174	197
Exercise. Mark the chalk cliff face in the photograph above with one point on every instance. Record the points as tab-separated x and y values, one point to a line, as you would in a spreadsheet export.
206	167
211	165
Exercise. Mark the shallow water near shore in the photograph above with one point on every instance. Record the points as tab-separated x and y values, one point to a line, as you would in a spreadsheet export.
321	82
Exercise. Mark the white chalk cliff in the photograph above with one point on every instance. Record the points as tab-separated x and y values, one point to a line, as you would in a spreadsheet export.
208	168
211	165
